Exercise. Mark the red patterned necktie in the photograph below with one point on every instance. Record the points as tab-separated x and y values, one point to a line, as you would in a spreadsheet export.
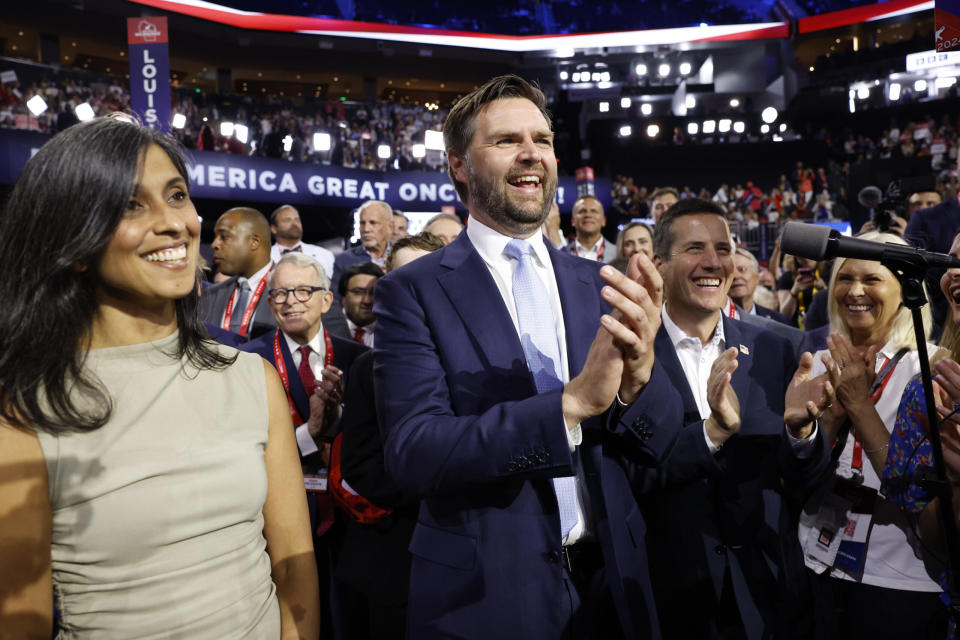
358	335
306	373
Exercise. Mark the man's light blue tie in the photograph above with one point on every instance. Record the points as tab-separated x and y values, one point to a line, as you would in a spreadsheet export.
538	337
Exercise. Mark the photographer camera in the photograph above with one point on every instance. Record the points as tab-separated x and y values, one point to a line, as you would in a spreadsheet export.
884	209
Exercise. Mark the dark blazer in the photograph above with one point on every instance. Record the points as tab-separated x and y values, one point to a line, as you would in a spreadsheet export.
344	353
213	302
223	336
933	229
374	558
733	523
773	315
466	431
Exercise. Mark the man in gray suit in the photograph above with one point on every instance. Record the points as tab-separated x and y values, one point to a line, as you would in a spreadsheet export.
241	250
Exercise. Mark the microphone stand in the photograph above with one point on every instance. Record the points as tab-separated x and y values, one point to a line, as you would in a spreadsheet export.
911	276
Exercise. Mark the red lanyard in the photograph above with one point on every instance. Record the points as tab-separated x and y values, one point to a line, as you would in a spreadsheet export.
731	309
285	379
878	386
251	306
575	249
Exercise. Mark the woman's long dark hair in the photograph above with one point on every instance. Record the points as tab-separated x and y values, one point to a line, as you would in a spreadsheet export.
60	216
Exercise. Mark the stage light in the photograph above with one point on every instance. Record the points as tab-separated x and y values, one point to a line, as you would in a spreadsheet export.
944	82
595	76
84	112
863	92
653	130
37	105
383	151
179	121
241	132
693	128
920	85
625	103
564	75
853	105
640	69
734	103
709	126
605	76
724	125
226	129
769	115
433	140
321	141
691	102
783	127
604	107
764	128
685	68
626	131
646	108
287	143
576	76
585	76
663	70
418	150
739	126
894	91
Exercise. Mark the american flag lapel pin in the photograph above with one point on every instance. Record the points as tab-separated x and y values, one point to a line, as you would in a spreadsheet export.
744	350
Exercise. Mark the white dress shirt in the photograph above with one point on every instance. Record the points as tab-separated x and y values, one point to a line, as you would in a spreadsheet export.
490	244
324	256
367	338
254	282
593	253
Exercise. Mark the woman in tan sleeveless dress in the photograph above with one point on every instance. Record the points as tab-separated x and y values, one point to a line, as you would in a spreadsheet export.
149	478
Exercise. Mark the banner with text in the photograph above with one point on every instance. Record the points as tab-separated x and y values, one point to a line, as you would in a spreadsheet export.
230	177
149	71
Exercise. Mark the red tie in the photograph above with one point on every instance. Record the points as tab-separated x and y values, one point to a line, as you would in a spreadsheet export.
306	373
358	335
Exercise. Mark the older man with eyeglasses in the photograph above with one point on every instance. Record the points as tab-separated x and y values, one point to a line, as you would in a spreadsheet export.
313	367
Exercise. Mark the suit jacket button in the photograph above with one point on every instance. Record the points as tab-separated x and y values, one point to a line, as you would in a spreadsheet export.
554	556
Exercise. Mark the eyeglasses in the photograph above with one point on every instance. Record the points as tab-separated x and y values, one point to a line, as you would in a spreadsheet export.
302	293
360	293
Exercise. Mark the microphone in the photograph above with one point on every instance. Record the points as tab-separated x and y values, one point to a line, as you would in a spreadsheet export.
818	242
870	197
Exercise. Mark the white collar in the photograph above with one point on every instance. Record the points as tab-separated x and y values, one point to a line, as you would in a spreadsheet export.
318	344
255	279
596	245
678	335
490	243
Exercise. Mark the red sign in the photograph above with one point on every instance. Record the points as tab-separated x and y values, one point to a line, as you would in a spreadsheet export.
946	17
146	30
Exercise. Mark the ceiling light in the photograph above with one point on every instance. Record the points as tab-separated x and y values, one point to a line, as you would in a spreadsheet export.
37	105
769	115
693	128
433	140
604	107
640	69
653	130
646	108
724	125
179	121
625	103
663	69
418	150
626	131
691	101
84	112
709	126
685	68
739	126
734	103
383	151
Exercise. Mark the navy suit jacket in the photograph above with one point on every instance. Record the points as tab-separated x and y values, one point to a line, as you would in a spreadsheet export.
213	302
773	315
466	431
736	512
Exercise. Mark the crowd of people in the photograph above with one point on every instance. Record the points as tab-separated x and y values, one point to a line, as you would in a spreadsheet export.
482	430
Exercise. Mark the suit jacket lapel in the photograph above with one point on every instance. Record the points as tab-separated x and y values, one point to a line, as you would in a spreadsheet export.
667	356
740	380
474	294
297	393
578	293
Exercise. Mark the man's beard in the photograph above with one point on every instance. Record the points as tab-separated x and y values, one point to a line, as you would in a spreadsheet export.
490	195
289	236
